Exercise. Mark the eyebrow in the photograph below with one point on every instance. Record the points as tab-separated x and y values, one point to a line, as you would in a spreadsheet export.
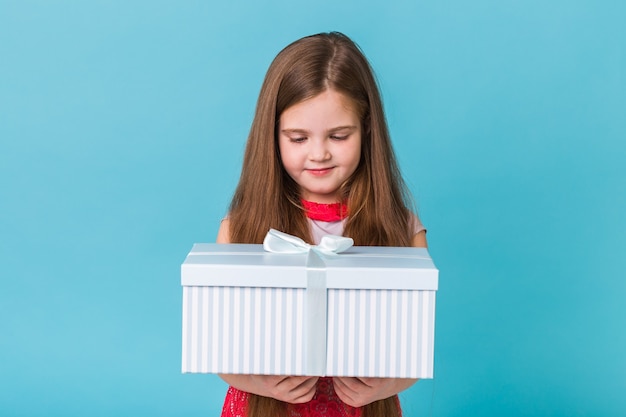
333	130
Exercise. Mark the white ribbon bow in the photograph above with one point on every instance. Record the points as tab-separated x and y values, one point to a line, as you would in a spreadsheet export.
280	242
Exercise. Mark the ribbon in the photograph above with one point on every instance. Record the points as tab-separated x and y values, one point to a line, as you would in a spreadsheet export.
279	242
316	300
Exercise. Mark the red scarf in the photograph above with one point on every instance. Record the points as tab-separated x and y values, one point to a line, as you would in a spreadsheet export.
325	212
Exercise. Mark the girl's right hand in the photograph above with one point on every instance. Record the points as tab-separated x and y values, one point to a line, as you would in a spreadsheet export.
290	389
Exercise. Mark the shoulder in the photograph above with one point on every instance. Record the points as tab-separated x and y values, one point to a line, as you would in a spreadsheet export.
419	240
418	231
223	234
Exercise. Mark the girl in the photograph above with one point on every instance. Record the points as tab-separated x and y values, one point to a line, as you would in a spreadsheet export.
319	161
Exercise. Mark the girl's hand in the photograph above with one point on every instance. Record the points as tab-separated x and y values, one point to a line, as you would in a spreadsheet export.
290	389
358	392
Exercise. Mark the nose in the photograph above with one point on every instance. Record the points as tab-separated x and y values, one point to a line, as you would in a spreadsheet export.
318	150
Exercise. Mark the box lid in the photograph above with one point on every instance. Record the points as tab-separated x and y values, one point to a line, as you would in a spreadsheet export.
360	267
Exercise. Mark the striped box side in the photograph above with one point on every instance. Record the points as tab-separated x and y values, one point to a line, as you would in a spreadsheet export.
243	330
381	333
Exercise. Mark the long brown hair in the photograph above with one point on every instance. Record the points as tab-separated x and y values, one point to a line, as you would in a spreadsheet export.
267	197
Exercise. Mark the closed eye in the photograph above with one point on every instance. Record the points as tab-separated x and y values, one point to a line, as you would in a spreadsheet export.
297	140
339	137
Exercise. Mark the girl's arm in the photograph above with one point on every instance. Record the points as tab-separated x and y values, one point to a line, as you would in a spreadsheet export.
419	240
358	392
291	389
223	235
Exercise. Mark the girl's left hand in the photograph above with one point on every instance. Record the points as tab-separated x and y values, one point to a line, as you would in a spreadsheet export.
357	392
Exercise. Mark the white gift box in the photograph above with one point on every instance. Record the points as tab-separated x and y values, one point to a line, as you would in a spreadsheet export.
367	312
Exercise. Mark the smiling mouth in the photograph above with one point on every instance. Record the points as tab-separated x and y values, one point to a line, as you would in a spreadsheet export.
320	171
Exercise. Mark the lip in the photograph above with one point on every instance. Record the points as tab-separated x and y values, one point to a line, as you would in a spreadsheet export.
319	172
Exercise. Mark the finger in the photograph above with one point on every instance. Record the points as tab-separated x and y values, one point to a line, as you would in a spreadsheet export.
304	392
291	383
276	379
352	384
298	388
307	384
305	396
268	381
348	386
344	393
371	382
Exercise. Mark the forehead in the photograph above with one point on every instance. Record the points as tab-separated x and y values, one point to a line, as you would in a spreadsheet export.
327	108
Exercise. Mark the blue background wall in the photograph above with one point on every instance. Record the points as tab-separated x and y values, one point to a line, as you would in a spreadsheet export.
122	125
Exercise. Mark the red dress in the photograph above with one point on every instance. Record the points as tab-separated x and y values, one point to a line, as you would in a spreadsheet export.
325	403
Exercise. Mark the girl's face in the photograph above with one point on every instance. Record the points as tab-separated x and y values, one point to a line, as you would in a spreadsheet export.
320	144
